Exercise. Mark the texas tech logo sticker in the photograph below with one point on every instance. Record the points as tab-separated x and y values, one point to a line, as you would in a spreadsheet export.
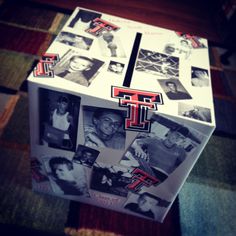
138	103
44	67
99	26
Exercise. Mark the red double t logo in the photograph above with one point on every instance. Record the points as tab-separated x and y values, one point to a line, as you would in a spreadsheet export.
141	178
138	103
44	67
100	25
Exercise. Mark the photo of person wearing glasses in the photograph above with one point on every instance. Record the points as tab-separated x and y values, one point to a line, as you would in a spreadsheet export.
104	128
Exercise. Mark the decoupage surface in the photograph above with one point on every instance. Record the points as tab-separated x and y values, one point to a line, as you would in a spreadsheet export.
119	113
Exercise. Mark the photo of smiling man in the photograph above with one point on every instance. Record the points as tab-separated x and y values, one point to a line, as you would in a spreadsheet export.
103	127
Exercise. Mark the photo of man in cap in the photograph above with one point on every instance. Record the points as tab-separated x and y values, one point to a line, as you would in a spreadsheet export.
166	154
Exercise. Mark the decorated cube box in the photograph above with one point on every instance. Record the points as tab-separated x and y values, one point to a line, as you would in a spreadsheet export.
119	113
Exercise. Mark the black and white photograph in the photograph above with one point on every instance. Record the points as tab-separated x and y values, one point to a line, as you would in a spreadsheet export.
115	67
85	156
58	119
110	179
77	68
111	45
147	205
104	127
199	77
195	112
156	63
83	19
66	177
162	150
195	41
183	49
74	40
174	90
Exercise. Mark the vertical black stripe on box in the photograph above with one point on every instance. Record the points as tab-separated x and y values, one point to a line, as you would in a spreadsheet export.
130	69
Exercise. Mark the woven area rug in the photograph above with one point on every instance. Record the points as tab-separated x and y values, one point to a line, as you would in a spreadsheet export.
27	32
205	204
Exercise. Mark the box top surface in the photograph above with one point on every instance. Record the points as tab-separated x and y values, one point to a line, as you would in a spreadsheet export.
97	52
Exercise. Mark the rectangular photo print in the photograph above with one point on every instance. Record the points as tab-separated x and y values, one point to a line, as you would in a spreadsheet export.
111	45
83	20
66	177
116	67
58	119
147	204
195	112
85	156
182	48
110	179
199	77
160	152
104	127
74	40
162	65
174	90
78	68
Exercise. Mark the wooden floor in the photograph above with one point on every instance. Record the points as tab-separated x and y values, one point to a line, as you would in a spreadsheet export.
187	16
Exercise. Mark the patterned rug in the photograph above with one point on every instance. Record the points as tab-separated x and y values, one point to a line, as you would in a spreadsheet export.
28	30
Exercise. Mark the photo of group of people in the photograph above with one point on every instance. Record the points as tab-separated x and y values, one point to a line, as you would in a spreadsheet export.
162	65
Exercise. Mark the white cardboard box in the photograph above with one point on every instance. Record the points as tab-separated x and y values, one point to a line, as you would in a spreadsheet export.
107	125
